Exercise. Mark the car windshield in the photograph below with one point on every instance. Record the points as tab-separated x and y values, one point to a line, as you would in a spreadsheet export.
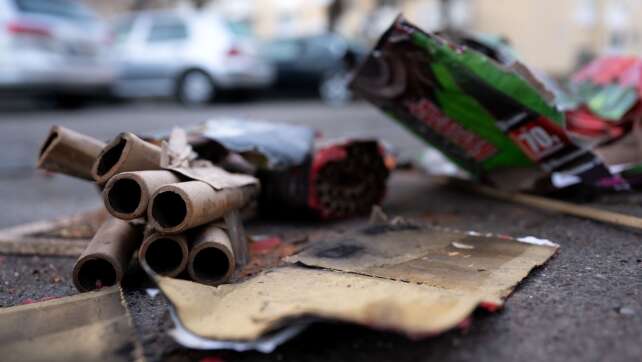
122	28
68	9
240	29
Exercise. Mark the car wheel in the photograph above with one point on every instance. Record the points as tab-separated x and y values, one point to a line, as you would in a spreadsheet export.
334	89
195	88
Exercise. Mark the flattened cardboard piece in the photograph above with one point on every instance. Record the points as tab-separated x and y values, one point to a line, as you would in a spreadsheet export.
363	280
216	177
466	264
247	310
66	236
177	155
94	326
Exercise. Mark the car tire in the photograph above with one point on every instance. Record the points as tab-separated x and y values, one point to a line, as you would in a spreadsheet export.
333	89
195	88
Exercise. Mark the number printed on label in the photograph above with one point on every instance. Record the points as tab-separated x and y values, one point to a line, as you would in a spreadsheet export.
536	141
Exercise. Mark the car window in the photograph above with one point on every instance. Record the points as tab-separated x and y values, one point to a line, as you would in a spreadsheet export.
239	28
283	50
167	29
122	28
69	9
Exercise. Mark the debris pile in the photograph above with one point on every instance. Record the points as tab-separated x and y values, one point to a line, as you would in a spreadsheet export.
179	213
608	113
177	201
301	175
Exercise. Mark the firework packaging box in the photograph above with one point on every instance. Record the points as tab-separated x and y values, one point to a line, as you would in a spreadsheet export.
476	104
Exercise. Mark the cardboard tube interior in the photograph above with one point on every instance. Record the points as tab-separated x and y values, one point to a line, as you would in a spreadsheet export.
106	258
69	152
211	260
178	207
165	254
125	153
126	195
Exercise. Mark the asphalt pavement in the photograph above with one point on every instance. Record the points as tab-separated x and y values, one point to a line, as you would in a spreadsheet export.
584	305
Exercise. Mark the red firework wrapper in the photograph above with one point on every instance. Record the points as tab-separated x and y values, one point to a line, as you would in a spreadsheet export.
342	179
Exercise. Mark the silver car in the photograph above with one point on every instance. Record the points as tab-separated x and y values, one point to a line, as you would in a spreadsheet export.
192	56
52	47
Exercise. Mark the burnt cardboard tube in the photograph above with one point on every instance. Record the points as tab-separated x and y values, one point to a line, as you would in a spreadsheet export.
69	152
165	254
127	194
106	258
125	153
211	260
181	206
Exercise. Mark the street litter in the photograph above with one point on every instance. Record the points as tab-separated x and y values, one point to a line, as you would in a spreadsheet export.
177	202
495	120
477	104
163	195
69	152
608	112
299	176
51	330
67	236
397	277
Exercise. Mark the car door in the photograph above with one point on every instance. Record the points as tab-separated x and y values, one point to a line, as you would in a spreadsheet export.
154	57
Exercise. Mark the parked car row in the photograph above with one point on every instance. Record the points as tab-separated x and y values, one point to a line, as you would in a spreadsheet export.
52	47
61	48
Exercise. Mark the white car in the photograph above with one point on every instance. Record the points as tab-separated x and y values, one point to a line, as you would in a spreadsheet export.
54	48
190	55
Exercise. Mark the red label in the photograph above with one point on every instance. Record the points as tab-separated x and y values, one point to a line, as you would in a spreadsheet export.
538	140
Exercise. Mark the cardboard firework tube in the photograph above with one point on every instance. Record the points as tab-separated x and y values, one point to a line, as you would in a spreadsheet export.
211	260
127	194
107	256
125	153
69	152
181	206
165	254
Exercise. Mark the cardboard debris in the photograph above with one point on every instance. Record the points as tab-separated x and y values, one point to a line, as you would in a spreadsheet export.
93	326
66	236
299	177
69	152
360	278
467	264
107	256
487	113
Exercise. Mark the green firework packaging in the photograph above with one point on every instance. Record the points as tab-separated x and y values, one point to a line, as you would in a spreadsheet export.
474	103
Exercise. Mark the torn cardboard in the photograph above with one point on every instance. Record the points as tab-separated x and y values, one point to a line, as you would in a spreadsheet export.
66	236
468	264
93	326
362	278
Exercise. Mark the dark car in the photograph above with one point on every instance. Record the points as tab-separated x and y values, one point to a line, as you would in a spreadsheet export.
319	63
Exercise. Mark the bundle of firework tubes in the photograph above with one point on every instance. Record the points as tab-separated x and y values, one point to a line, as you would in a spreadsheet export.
180	216
176	203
